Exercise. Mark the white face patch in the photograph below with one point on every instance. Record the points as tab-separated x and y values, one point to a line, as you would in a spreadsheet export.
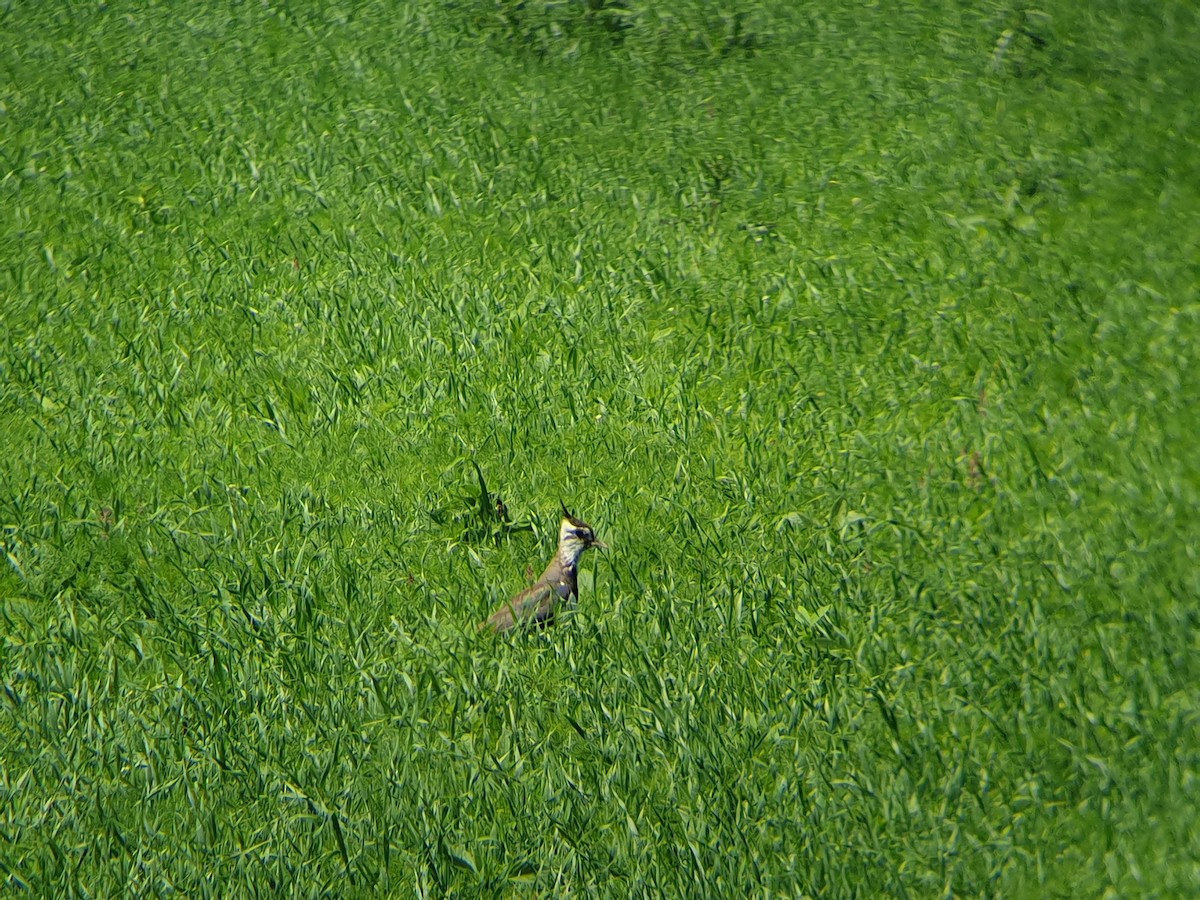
573	539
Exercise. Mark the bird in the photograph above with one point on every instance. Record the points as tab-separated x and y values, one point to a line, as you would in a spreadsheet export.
536	606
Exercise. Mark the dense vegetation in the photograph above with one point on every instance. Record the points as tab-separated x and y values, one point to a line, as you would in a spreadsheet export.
865	334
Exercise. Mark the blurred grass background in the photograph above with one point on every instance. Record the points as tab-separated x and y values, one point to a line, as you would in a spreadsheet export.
865	334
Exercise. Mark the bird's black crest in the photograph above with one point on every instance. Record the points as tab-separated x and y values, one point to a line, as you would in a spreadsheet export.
578	523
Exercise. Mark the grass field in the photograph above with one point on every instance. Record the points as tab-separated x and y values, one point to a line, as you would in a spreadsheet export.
864	333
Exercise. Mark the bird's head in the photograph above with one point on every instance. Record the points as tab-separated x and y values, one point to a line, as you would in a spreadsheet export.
575	536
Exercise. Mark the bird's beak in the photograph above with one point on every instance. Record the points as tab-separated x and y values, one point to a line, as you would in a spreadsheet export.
600	544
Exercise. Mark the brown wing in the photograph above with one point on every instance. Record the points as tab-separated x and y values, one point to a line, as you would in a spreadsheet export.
533	606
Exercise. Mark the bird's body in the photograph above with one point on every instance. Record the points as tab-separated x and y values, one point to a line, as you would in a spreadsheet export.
536	606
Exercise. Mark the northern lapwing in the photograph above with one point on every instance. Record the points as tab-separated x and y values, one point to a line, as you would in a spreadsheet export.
536	606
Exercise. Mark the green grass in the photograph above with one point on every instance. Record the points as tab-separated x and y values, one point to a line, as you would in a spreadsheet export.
865	335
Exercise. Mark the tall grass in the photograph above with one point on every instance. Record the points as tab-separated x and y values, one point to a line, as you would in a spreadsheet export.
865	335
